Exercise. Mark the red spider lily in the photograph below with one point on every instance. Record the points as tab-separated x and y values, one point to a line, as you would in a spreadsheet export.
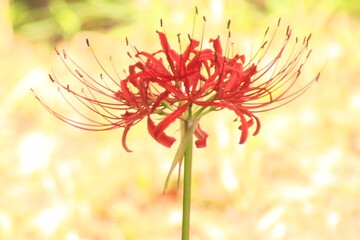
168	85
207	80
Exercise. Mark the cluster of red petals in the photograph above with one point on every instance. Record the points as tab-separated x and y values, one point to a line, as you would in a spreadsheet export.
166	85
196	77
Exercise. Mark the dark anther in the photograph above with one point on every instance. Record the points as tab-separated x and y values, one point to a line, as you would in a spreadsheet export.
51	78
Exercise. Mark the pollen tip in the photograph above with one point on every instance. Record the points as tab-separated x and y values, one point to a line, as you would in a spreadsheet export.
196	10
78	73
308	55
228	24
267	30
189	37
308	39
57	52
161	22
264	44
87	42
127	41
51	78
204	18
178	36
278	24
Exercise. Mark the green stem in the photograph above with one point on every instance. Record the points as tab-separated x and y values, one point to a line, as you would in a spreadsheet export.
187	186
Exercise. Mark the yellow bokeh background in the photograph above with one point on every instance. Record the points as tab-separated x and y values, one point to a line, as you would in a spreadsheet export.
298	179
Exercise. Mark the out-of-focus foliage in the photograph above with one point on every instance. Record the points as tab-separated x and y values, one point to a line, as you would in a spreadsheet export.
57	19
349	6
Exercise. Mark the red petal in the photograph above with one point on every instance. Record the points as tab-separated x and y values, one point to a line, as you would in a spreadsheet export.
158	131
217	46
170	119
126	130
219	59
258	125
201	136
161	138
191	47
171	55
244	128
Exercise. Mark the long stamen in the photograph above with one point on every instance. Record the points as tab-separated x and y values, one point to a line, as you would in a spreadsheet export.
203	33
194	21
227	47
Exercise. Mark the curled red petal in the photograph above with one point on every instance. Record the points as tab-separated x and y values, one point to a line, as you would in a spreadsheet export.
258	125
202	136
161	138
126	130
244	128
160	128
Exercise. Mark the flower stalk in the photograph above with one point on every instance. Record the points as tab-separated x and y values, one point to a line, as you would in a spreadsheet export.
185	233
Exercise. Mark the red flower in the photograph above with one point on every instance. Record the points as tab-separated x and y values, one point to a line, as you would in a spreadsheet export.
188	85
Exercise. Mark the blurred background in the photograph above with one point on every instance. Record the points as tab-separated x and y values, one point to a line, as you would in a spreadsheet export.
298	179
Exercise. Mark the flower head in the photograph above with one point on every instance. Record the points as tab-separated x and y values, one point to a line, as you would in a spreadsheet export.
167	85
